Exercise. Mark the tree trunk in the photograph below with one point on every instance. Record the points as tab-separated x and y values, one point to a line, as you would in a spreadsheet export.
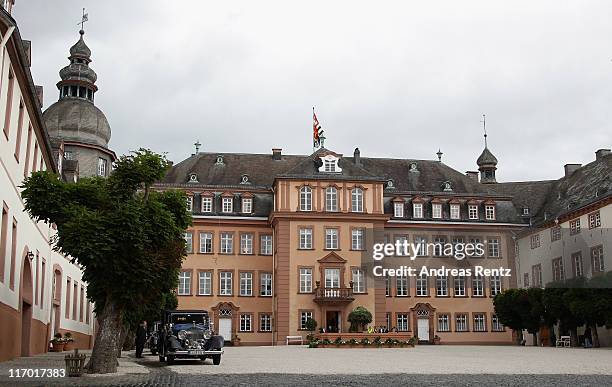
519	336
574	336
103	358
595	336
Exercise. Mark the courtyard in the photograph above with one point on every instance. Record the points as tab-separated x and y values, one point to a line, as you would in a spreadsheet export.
423	365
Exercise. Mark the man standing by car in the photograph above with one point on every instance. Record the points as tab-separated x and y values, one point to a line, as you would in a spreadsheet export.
141	338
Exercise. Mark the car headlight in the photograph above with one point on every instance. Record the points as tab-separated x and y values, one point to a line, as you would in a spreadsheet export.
207	335
182	335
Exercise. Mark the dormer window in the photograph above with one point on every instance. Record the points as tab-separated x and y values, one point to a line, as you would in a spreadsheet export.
447	187
525	210
219	160
330	164
189	203
413	167
417	210
207	204
193	178
473	212
227	204
455	211
390	184
490	212
398	210
247	205
436	211
245	179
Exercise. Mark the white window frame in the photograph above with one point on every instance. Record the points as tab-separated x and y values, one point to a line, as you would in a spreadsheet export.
401	286
189	242
357	199
357	239
436	211
206	242
190	203
205	283
442	286
496	285
459	286
246	244
478	286
246	322
358	277
305	238
473	212
207	204
265	322
461	323
402	321
496	325
227	205
594	219
265	284
493	247
265	245
490	212
227	243
305	198
102	166
331	239
331	199
443	323
455	211
417	210
480	322
184	286
578	264
304	317
305	280
246	283
398	209
422	286
332	278
247	205
225	283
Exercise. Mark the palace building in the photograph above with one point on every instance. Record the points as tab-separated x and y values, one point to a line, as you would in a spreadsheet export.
41	291
278	239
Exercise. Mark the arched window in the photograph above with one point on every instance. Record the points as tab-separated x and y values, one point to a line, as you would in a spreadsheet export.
305	198
357	200
331	199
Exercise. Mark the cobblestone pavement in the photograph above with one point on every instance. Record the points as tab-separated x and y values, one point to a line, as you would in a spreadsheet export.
424	365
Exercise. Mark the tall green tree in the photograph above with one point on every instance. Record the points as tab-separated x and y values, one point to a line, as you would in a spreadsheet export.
359	318
557	310
127	238
509	314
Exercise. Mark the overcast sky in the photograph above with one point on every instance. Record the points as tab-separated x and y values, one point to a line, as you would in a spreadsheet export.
397	79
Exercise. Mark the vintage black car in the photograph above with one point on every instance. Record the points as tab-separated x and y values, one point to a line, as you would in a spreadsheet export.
188	334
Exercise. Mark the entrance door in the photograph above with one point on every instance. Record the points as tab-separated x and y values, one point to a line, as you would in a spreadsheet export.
225	328
423	329
333	322
26	319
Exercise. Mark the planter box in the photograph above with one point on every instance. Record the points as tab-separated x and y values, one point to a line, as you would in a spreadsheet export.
363	346
57	347
69	346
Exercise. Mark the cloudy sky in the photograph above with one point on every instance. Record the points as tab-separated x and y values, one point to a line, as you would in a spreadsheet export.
395	78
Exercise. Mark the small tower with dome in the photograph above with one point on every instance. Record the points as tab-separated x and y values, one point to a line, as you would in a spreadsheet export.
76	122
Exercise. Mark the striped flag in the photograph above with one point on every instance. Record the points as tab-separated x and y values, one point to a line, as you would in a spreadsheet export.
316	130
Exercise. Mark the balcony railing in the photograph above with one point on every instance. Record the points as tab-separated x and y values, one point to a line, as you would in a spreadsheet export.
333	295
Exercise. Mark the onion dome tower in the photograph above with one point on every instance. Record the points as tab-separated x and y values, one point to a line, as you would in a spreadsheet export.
75	121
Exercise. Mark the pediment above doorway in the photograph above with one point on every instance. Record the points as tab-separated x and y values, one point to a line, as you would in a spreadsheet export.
332	258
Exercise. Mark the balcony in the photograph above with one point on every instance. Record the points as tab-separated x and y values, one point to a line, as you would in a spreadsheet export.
331	296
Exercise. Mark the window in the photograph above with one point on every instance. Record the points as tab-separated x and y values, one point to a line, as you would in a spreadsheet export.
594	219
525	210
331	199
189	203
489	212
388	320
493	248
207	204
228	205
477	286
398	210
496	325
332	278
439	242
3	239
265	245
597	259
305	238
358	278
247	205
455	212
9	102
417	210
265	322
441	286
305	198
536	274
206	240
67	306
331	238
555	233
246	322
557	269
265	284
420	242
357	200
357	239
496	285
304	317
329	165
436	211
535	241
225	283
575	226
459	283
473	212
246	243
401	286
526	280
189	242
227	243
102	163
479	322
246	284
477	253
305	280
402	322
443	323
387	286
421	285
205	283
68	155
184	287
577	265
19	131
461	323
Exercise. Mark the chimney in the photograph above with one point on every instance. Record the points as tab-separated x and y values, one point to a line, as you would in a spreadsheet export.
39	94
27	48
601	153
357	156
571	168
276	153
472	175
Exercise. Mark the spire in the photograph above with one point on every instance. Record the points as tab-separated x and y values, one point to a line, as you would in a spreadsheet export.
77	78
439	153
487	162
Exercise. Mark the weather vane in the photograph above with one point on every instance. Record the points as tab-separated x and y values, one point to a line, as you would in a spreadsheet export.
484	128
84	18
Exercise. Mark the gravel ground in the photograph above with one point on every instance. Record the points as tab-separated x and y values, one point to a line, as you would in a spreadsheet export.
423	365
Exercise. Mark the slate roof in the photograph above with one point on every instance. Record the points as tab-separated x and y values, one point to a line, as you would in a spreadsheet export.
486	157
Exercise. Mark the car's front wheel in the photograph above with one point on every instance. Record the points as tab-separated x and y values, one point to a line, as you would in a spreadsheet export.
216	359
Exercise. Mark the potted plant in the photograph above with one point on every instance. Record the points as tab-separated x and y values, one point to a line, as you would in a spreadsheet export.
57	343
68	342
236	341
436	340
352	342
412	341
338	341
359	318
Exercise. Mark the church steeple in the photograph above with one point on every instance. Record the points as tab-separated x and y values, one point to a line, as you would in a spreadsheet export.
78	79
487	162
